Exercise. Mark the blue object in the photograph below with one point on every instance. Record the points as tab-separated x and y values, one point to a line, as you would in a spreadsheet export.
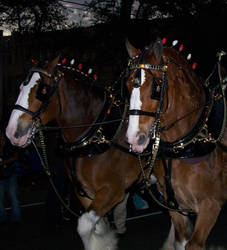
139	203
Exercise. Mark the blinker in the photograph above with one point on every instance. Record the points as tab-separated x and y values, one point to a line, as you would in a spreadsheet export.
137	79
156	88
43	91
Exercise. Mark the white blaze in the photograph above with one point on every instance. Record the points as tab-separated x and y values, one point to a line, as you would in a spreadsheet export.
135	103
25	91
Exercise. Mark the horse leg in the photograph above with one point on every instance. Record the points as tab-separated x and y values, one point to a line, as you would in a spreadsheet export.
95	232
93	228
179	233
169	242
206	219
120	214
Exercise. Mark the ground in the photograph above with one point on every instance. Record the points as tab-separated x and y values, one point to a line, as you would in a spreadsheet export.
147	231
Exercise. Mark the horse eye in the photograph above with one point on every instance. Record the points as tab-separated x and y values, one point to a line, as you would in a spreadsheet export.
136	82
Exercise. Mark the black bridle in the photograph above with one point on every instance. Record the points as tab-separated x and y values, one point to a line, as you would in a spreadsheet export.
44	91
159	86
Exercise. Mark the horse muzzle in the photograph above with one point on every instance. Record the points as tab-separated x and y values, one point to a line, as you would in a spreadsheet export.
21	133
139	142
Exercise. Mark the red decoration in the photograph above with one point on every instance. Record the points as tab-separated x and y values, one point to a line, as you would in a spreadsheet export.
194	65
34	62
80	66
63	60
95	77
164	40
138	51
181	47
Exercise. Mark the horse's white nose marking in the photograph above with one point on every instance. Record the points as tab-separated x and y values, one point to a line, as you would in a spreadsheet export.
135	103
22	100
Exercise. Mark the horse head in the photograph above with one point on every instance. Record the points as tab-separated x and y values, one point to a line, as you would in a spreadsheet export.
161	82
36	102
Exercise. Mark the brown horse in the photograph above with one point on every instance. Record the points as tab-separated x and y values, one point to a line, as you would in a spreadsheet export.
91	118
183	118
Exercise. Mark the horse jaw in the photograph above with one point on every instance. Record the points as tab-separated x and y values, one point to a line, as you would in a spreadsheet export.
19	132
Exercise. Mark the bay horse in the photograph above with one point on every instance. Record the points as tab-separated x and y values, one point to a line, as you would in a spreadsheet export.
181	120
91	118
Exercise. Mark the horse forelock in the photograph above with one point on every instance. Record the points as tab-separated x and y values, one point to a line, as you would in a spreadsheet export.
51	65
179	58
158	48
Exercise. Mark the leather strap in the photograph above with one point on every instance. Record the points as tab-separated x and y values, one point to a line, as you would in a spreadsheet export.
141	112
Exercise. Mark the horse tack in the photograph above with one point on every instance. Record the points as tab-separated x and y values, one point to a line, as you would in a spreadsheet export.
210	126
100	135
204	136
93	142
106	175
44	91
192	178
98	138
208	130
200	141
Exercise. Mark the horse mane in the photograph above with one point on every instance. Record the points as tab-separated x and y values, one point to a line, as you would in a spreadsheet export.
178	58
181	62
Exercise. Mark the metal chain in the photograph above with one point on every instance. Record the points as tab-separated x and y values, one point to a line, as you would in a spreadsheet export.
154	152
147	179
44	161
148	184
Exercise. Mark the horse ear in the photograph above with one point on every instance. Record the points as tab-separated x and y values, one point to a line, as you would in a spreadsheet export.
158	48
52	64
56	60
132	51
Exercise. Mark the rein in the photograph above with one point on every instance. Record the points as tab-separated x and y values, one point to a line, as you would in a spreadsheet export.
50	128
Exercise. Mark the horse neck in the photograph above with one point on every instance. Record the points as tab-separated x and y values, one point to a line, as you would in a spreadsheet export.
186	100
81	103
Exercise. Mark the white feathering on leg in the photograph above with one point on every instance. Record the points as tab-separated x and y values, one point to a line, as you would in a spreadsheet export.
96	233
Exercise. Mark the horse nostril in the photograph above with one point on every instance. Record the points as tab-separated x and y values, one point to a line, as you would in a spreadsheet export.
142	139
22	129
126	138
